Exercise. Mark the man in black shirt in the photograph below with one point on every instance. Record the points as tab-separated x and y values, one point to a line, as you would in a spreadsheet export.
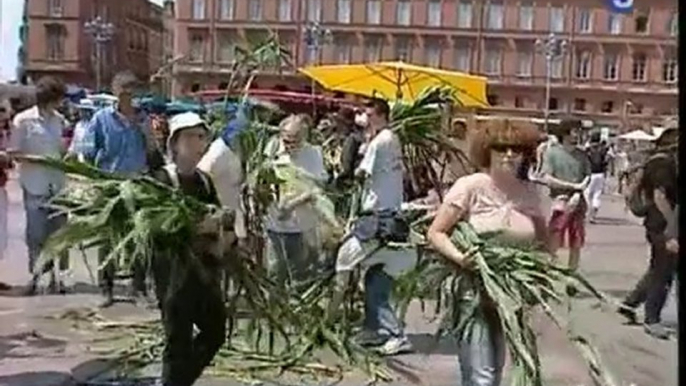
658	185
597	154
190	294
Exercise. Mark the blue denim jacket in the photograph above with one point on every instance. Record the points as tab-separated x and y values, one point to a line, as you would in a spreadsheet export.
116	145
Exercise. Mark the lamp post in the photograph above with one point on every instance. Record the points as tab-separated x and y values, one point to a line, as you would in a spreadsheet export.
101	32
553	48
316	37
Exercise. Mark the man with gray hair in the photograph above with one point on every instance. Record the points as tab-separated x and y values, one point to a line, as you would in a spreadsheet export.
118	140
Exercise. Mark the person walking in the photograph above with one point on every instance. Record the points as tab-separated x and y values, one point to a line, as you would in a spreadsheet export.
38	131
85	110
566	171
189	294
118	140
598	157
381	173
657	189
497	200
621	162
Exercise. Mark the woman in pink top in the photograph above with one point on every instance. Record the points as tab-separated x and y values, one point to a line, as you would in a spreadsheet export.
499	200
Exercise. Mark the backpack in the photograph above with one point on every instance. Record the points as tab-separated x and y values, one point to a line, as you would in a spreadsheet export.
635	199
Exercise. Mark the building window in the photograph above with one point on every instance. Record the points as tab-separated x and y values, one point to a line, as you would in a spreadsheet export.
198	9
553	104
494	15
343	11
403	49
55	35
197	47
556	67
518	102
611	68
434	17
314	10
492	99
226	9
464	14
673	26
372	50
463	58
526	17
493	61
585	18
614	24
255	10
579	104
583	65
285	10
557	19
607	107
433	54
670	70
524	63
227	48
403	12
343	49
641	24
373	12
638	68
55	8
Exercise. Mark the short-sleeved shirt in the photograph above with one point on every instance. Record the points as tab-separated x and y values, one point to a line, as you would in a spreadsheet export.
491	210
383	163
303	218
117	145
566	165
41	135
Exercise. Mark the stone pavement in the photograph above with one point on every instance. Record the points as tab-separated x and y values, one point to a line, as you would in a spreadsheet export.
37	351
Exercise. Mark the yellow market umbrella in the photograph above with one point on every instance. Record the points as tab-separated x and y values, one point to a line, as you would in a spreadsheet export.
397	80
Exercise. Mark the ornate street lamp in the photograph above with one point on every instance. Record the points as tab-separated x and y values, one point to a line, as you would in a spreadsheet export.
101	32
553	48
316	37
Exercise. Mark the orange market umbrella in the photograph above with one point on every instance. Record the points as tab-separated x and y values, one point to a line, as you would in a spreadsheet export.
398	80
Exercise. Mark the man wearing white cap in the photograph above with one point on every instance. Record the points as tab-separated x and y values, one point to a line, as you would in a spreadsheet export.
190	295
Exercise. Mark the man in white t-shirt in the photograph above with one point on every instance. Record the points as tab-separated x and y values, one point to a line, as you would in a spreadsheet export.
292	222
381	169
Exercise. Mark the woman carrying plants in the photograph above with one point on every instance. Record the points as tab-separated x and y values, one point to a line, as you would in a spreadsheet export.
496	201
187	281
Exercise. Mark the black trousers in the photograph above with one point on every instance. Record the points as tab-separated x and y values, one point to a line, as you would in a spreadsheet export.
107	275
653	287
188	298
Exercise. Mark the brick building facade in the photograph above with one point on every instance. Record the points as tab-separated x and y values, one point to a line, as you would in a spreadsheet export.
57	43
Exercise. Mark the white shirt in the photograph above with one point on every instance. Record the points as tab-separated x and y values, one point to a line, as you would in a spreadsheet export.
33	134
303	218
383	164
224	166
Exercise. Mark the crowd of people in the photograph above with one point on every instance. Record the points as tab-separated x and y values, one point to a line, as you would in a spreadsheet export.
515	165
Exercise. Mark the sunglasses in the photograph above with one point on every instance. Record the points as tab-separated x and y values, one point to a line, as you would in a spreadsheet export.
504	148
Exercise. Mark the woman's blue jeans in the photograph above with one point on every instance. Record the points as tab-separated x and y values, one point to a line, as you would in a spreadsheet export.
481	353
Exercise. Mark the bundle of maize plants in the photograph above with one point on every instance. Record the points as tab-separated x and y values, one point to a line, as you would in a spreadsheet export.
503	282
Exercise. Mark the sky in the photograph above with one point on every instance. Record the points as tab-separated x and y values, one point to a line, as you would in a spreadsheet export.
10	20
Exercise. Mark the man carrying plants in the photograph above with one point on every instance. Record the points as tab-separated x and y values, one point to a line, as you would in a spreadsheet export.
566	171
381	172
655	198
187	280
118	140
